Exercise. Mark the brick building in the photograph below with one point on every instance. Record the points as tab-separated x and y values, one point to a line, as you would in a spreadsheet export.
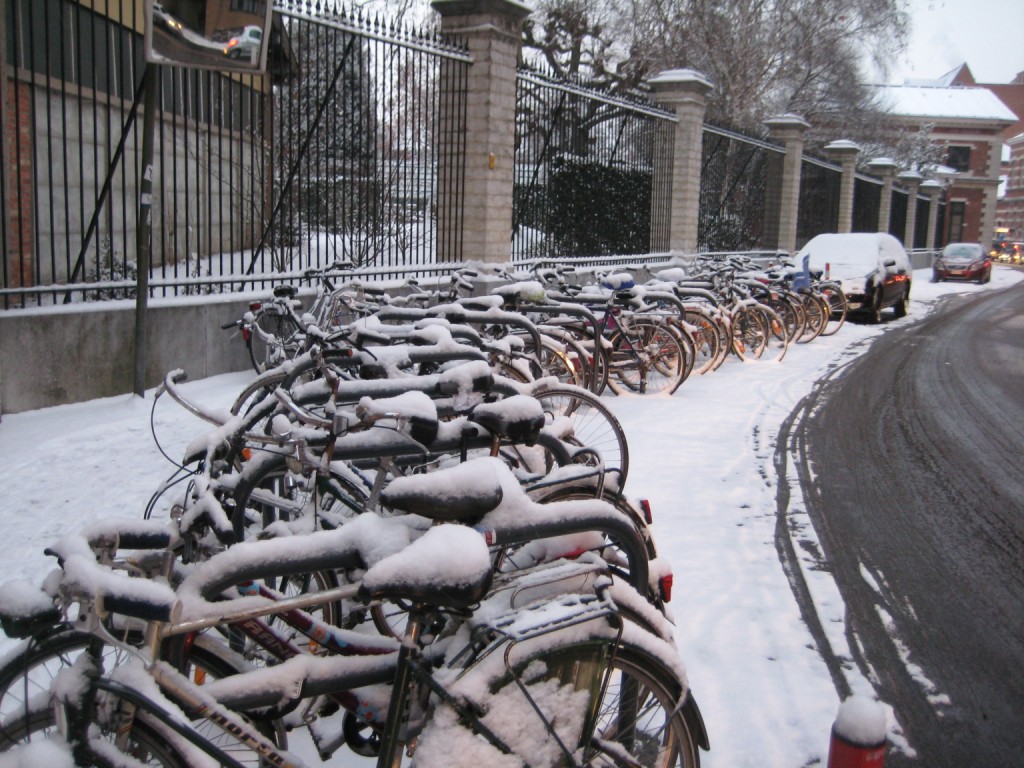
973	122
1010	207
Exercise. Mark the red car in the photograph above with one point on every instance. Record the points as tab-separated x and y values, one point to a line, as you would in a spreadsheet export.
962	261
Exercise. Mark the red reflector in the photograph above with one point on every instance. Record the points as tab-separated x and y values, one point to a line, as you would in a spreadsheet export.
246	333
665	583
254	306
645	505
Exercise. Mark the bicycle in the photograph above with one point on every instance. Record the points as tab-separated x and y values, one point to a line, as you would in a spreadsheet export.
577	645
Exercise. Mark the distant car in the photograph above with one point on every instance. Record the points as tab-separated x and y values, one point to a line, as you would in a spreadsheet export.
245	45
963	261
872	267
164	20
1016	253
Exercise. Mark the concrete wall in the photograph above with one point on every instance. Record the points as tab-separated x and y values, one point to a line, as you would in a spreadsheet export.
68	355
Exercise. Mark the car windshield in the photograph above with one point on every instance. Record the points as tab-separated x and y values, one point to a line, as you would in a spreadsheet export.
962	251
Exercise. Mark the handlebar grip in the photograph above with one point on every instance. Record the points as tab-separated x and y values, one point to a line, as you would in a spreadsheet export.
232	324
136	607
144	540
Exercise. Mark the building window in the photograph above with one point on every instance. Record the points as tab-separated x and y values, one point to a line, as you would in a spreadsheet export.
959	158
247	6
957	213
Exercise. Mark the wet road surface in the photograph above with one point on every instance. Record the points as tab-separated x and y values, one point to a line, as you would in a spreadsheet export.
916	491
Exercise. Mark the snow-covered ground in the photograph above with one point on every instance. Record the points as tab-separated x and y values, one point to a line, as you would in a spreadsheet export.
702	456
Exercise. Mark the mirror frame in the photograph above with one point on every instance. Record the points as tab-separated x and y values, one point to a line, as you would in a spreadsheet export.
199	49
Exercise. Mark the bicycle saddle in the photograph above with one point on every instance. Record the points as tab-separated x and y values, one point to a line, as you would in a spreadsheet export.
463	493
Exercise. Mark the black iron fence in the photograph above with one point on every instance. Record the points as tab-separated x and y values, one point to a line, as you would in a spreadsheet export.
740	182
867	200
818	206
329	156
898	207
585	183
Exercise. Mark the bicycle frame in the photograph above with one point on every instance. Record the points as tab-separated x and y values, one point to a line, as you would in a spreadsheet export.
408	675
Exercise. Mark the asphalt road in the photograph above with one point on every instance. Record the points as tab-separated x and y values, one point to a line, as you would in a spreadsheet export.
916	491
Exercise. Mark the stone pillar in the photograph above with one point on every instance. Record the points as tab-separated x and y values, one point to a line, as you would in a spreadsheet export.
911	180
933	189
789	131
845	153
885	167
493	31
684	91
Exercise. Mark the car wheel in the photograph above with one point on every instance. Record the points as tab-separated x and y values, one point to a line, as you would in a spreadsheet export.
875	315
903	305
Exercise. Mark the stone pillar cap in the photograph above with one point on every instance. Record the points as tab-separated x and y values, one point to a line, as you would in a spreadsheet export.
883	163
931	185
910	176
786	121
466	7
679	77
842	145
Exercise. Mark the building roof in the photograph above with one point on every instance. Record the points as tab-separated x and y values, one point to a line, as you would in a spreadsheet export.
955	102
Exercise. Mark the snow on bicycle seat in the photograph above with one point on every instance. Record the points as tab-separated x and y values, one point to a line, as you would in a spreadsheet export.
465	492
415	408
519	418
429	572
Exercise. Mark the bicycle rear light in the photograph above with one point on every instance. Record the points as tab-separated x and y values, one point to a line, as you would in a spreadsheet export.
665	587
645	505
255	306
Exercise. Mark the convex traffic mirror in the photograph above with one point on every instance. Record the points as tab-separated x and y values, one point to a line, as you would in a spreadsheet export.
226	35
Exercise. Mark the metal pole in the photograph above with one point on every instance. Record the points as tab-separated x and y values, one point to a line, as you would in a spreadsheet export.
144	230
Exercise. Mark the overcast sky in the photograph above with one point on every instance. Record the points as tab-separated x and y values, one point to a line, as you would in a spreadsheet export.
986	34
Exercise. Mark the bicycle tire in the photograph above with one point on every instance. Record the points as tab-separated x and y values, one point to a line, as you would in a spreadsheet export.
282	329
776	342
27	676
31	674
593	425
639	714
818	312
836	299
643	688
749	333
709	337
659	365
267	492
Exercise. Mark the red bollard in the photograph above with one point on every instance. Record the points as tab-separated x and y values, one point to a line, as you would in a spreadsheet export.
858	735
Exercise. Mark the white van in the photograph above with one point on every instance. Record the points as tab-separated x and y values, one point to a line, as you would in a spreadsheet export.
872	267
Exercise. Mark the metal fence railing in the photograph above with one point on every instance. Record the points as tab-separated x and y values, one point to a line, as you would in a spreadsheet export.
818	206
333	154
585	171
867	199
739	192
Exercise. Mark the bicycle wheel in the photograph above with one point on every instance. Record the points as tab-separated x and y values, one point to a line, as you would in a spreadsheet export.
590	702
26	713
26	678
267	491
646	357
148	748
776	341
277	339
709	338
151	741
749	333
592	425
640	714
818	312
836	299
